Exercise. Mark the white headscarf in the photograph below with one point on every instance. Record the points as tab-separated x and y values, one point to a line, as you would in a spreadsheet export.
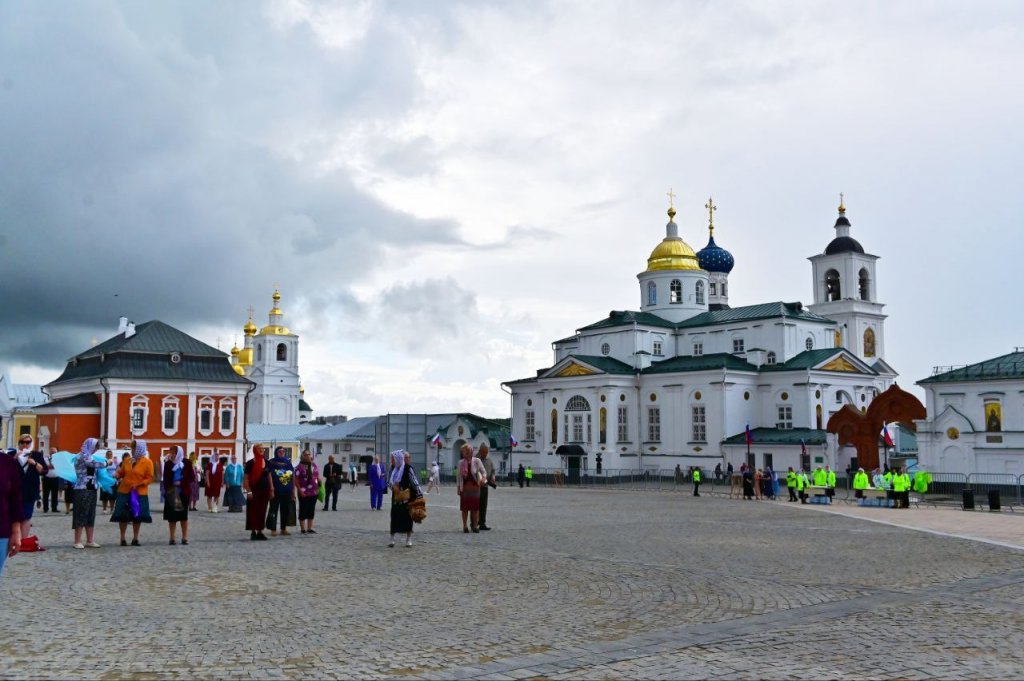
397	466
179	458
88	447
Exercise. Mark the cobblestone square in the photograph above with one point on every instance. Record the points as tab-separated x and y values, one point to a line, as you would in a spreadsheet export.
569	584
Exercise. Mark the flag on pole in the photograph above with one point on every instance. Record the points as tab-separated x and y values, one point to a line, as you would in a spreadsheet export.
803	446
513	440
887	436
436	440
749	435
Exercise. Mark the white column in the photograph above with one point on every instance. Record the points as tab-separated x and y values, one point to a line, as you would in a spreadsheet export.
190	445
112	418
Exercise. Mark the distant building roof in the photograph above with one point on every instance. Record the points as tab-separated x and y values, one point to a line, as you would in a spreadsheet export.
304	405
779	436
279	432
359	428
26	395
86	400
999	368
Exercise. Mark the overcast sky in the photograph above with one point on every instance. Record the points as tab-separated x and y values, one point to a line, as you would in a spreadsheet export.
441	189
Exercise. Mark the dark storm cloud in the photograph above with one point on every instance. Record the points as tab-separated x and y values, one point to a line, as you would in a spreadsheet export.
168	162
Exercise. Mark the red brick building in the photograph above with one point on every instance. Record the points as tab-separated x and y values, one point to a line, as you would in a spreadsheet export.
151	382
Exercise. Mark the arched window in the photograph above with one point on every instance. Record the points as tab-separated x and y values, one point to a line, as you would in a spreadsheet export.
809	343
699	292
554	426
865	287
724	291
577	403
869	343
711	289
675	292
259	352
602	426
282	352
771	357
817	416
652	293
832	291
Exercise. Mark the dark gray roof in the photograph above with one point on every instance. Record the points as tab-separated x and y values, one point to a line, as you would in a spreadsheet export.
88	400
154	336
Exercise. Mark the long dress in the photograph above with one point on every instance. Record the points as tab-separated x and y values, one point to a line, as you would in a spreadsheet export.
401	521
177	484
214	481
256	509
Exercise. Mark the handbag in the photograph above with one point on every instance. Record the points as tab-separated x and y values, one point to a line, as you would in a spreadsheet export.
418	509
402	496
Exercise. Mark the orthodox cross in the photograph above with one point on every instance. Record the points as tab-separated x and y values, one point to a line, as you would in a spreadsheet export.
710	205
671	198
251	312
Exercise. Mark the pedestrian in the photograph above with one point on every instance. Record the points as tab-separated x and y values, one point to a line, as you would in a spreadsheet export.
521	476
259	490
33	469
107	498
758	484
435	478
332	483
179	482
405	487
696	481
131	503
470	478
10	508
802	483
830	482
729	470
84	495
775	482
234	498
748	483
490	480
860	483
307	486
214	482
378	483
791	483
51	484
529	475
718	471
197	480
282	504
679	474
353	474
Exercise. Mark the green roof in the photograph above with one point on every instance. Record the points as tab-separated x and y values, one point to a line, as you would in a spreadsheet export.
304	405
627	318
998	368
748	313
778	436
808	359
718	360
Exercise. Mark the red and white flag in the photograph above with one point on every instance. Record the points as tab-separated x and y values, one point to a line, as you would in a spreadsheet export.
887	435
436	441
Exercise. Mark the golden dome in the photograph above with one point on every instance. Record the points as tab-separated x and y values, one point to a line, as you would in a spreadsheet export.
276	297
275	330
249	328
672	254
238	369
235	350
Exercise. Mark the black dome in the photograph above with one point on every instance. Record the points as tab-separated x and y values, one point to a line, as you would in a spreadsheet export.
843	244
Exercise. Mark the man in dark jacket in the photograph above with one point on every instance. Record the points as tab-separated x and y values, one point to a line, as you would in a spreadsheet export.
332	482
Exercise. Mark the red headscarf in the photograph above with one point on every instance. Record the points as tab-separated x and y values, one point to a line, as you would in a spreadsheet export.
257	465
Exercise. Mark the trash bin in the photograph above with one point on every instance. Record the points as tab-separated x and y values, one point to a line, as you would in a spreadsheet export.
993	500
968	502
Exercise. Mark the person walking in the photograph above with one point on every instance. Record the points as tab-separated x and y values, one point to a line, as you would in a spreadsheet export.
51	484
748	483
521	476
353	474
378	483
282	504
529	475
197	478
83	499
830	483
696	481
490	480
802	483
332	483
259	490
214	482
179	482
10	509
134	476
33	469
435	478
405	487
791	483
307	486
469	480
234	498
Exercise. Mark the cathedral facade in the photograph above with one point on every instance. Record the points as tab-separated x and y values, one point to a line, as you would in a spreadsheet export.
688	380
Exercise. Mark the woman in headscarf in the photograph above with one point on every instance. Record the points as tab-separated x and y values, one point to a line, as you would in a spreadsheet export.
178	480
134	477
193	492
259	490
471	477
405	486
107	498
234	498
307	482
282	503
83	499
214	481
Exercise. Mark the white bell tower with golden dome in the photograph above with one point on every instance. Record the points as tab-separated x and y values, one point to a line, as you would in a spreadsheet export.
673	286
270	358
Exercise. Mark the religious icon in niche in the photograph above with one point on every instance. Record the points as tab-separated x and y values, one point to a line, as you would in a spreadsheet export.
869	343
993	417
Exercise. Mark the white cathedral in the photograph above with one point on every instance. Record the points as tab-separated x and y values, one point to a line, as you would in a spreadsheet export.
270	358
679	381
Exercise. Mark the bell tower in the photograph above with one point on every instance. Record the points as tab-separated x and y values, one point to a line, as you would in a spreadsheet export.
275	370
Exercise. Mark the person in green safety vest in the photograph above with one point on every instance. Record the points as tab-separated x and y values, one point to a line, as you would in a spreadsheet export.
802	483
830	482
922	481
819	477
904	494
696	482
860	483
791	483
529	475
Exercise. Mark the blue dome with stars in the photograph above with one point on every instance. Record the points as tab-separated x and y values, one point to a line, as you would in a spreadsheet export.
714	258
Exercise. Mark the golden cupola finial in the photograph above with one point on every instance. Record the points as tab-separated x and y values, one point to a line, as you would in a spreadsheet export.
672	253
250	326
842	204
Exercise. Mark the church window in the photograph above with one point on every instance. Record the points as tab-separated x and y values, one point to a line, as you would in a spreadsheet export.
531	425
205	419
737	345
711	289
259	352
577	427
657	348
698	348
554	426
869	343
700	292
700	433
865	286
605	349
785	421
138	418
577	403
139	413
818	416
723	289
771	357
226	420
282	352
809	343
169	407
675	292
654	424
652	293
623	424
602	426
832	291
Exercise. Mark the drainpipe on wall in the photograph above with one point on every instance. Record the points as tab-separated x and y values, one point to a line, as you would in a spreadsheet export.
103	411
242	425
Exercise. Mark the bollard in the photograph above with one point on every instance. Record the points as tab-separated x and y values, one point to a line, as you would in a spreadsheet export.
968	501
993	500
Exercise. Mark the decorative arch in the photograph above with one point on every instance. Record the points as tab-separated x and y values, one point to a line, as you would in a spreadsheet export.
864	279
700	292
833	290
577	403
861	429
282	352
